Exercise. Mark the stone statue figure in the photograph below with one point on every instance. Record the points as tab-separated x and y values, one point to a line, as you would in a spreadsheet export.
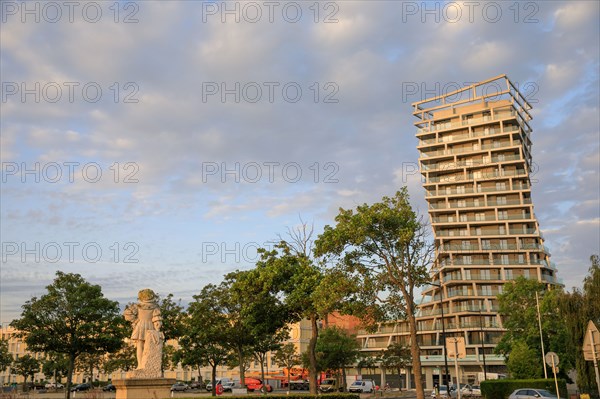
147	322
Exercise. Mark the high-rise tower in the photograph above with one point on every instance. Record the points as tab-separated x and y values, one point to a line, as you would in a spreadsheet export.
475	158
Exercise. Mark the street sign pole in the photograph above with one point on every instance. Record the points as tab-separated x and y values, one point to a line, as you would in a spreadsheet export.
555	380
595	360
456	369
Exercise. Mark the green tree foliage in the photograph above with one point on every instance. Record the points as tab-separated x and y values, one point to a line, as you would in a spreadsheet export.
123	360
396	357
523	362
205	332
577	309
336	350
86	363
26	366
287	358
6	358
518	308
290	274
382	254
55	366
72	318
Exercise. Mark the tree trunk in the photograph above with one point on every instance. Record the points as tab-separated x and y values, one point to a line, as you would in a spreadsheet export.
400	379
261	359
288	386
70	375
214	380
415	352
242	368
343	380
312	356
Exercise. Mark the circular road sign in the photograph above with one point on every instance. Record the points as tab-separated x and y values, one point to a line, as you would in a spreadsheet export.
550	357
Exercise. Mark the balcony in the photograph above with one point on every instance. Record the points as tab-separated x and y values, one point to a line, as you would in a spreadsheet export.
466	122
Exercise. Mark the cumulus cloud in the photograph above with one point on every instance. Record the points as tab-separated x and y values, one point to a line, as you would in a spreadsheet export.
350	132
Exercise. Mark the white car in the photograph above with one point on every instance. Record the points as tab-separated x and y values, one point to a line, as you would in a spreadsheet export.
470	390
531	393
443	393
52	385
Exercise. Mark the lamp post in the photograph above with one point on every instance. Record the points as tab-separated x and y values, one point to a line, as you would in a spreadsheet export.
444	337
482	347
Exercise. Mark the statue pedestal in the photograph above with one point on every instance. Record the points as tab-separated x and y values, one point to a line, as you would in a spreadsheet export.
146	388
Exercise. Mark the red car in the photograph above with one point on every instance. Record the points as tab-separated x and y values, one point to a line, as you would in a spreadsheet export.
254	384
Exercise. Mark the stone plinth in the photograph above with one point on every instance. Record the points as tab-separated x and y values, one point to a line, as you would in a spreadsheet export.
147	388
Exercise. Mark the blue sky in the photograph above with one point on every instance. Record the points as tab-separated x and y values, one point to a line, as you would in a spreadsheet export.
172	95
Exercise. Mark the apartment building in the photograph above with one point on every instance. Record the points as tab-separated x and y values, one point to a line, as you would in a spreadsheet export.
476	164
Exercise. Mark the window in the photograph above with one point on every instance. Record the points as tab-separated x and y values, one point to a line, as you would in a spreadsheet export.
508	274
462	203
480	216
478	231
501	230
460	189
485	274
476	202
463	217
521	259
466	244
503	244
501	200
500	186
485	244
504	260
502	215
467	260
486	290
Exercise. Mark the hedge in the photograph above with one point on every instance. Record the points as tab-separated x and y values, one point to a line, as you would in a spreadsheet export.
501	389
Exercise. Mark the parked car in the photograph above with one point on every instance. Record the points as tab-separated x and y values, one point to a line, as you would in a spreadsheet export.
531	393
228	386
219	381
362	386
109	388
52	385
442	392
330	385
81	387
198	385
254	384
470	390
179	387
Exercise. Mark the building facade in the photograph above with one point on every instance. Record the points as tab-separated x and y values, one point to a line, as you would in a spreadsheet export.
475	160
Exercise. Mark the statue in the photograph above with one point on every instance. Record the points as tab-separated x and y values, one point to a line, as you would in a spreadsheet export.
147	323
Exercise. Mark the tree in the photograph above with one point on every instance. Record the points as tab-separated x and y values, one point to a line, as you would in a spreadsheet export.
383	250
336	350
396	357
123	360
55	366
87	363
577	309
367	361
26	366
205	333
72	318
517	306
287	358
6	358
293	276
523	362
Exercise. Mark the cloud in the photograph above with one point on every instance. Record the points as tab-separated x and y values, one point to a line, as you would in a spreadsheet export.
364	141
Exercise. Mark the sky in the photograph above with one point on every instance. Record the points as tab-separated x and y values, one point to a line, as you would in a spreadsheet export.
158	144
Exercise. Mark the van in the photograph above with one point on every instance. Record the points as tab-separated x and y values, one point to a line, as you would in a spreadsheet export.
330	385
362	386
219	381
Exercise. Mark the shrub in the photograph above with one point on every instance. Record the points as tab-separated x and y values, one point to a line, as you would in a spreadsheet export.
501	389
298	396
